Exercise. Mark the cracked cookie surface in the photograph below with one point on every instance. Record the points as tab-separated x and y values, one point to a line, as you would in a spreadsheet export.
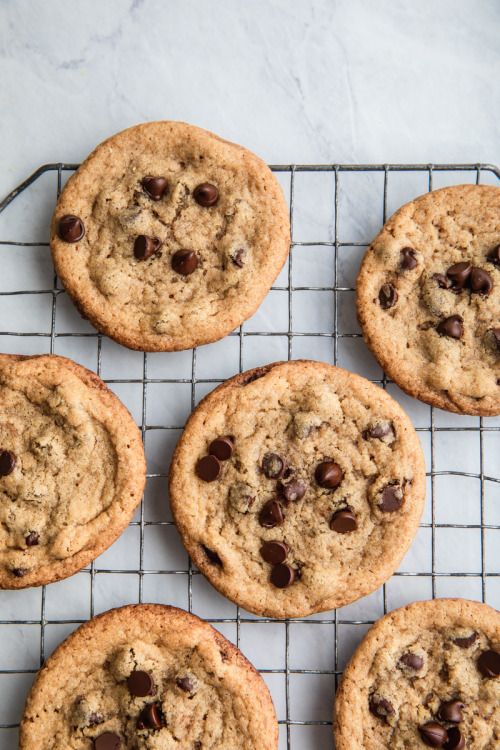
215	232
428	298
317	497
148	677
424	675
72	468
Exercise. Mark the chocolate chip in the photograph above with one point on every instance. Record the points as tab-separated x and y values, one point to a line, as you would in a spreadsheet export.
150	718
381	708
145	247
32	539
455	739
222	448
451	711
412	661
293	490
107	741
442	280
241	497
273	466
489	663
481	282
391	498
212	556
271	514
185	262
155	187
343	521
20	572
379	431
387	296
274	552
496	335
466	642
185	684
282	576
408	260
433	734
451	327
237	257
206	194
8	462
70	228
328	474
494	256
94	719
140	683
208	468
459	273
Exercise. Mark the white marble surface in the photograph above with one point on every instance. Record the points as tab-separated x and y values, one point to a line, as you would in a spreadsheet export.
295	81
303	82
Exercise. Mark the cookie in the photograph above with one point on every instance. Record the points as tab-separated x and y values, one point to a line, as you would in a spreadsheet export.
297	488
425	675
72	469
148	677
168	237
428	299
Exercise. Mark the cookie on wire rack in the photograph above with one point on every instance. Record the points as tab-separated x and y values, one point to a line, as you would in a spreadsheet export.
148	677
425	675
297	488
72	469
428	299
168	237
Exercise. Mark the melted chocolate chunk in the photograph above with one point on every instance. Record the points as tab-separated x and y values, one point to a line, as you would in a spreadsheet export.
293	490
408	260
155	187
412	661
271	514
381	708
145	247
379	431
387	296
273	466
489	663
222	448
328	474
107	741
466	642
32	539
442	280
459	273
208	468
212	556
185	262
238	257
70	228
8	462
451	327
481	282
391	498
184	683
150	717
343	521
206	194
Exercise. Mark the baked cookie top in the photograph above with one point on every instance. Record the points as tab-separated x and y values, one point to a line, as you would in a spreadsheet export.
297	487
72	468
428	298
168	237
424	675
148	677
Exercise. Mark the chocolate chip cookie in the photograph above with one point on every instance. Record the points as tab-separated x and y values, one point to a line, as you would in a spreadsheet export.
297	487
428	299
72	469
168	237
425	675
148	677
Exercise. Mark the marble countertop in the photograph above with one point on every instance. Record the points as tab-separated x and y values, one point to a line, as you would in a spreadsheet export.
305	82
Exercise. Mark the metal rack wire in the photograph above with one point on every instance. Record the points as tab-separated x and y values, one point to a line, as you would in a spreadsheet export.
296	730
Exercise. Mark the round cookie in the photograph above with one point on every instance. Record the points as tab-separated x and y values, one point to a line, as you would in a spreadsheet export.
168	237
428	299
148	677
72	469
425	675
297	488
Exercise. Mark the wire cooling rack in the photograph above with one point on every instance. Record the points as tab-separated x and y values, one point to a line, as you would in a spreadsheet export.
335	210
